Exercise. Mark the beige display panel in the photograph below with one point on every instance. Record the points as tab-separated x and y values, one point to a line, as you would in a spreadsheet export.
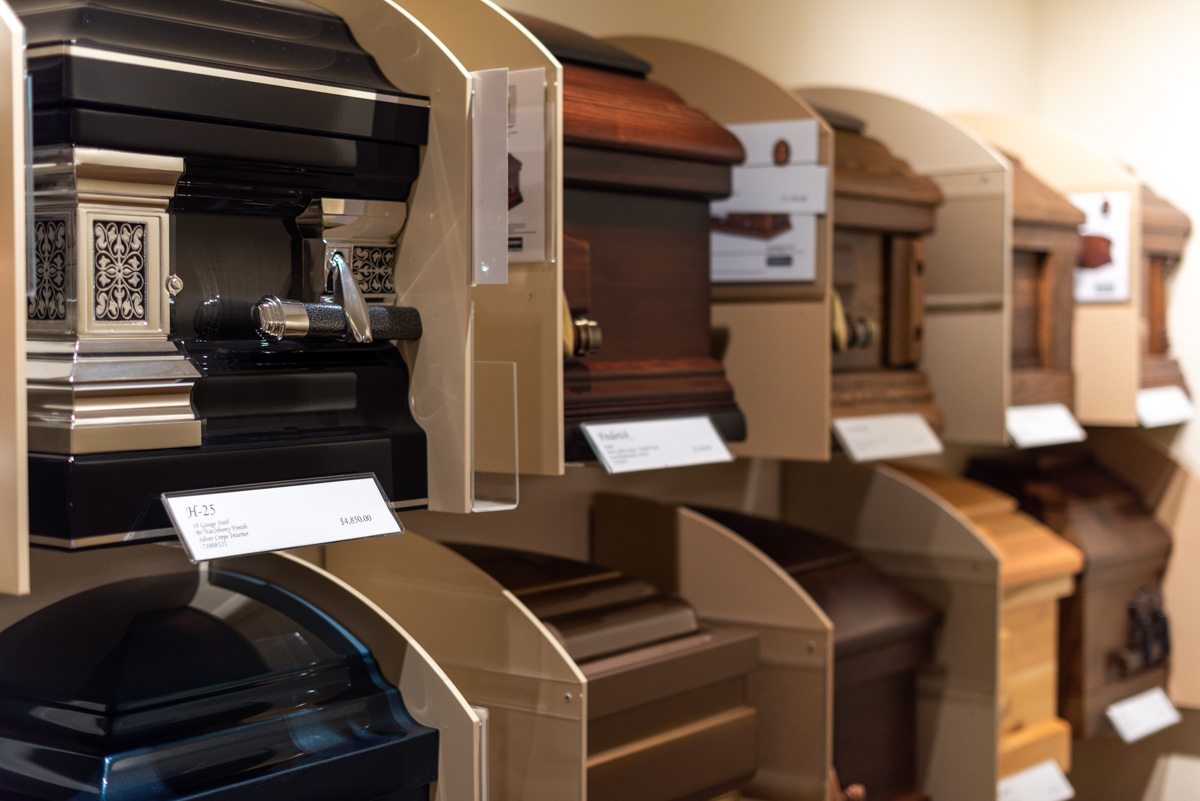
778	335
914	536
1143	460
14	454
1106	353
521	321
433	269
496	652
966	349
428	694
732	584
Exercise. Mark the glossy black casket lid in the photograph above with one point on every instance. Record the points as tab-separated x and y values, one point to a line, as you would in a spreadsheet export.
223	82
200	685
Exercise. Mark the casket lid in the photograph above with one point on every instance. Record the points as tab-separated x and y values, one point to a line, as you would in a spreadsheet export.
868	609
575	47
194	685
1035	203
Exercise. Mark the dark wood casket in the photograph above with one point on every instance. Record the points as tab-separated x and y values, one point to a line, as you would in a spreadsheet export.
1115	640
1165	230
668	711
882	636
639	170
881	212
1046	244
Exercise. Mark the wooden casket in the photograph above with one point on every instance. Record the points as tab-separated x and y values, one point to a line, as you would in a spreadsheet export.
668	711
1115	639
882	636
882	210
1046	244
639	170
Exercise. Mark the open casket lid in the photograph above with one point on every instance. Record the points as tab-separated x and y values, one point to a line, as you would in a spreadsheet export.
200	684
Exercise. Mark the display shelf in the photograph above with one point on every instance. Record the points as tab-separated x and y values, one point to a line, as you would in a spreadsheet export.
785	395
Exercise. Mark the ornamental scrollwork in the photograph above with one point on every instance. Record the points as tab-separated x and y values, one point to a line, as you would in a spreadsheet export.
375	270
49	301
119	276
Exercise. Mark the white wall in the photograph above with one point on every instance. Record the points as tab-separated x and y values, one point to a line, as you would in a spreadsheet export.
941	53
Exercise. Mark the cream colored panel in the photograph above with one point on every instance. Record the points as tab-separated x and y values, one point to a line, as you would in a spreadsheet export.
732	583
776	369
967	356
968	258
14	456
1107	354
498	654
520	321
434	259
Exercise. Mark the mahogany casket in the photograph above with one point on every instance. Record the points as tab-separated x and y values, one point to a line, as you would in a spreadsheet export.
882	210
1165	230
883	635
668	716
639	170
1115	637
1046	244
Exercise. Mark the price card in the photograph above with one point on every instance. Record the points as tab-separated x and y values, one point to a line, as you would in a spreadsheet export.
1042	424
876	437
1043	782
656	444
1142	715
1164	406
235	521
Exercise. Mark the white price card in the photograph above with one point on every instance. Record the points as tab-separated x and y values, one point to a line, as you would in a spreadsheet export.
1142	715
877	437
656	444
235	521
1164	406
1043	782
1042	424
1102	273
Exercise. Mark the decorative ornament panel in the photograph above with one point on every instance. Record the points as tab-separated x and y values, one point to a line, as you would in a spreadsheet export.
119	270
375	270
49	301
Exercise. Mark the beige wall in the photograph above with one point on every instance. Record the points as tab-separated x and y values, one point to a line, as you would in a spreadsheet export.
942	53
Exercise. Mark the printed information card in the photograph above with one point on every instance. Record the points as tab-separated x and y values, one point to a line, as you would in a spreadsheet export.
1043	782
1143	714
878	437
1102	274
1042	424
1164	406
236	521
527	165
656	444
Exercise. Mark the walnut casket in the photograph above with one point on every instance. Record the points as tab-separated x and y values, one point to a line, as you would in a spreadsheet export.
882	636
1046	244
1165	230
639	170
1115	638
668	711
882	210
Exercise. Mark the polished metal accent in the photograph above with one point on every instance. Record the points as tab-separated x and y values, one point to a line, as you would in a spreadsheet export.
106	376
347	295
83	52
174	285
588	337
364	232
278	319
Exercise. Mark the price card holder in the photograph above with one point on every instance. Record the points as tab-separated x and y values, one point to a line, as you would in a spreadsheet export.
1143	714
1043	782
878	437
1042	424
1164	406
256	518
656	444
